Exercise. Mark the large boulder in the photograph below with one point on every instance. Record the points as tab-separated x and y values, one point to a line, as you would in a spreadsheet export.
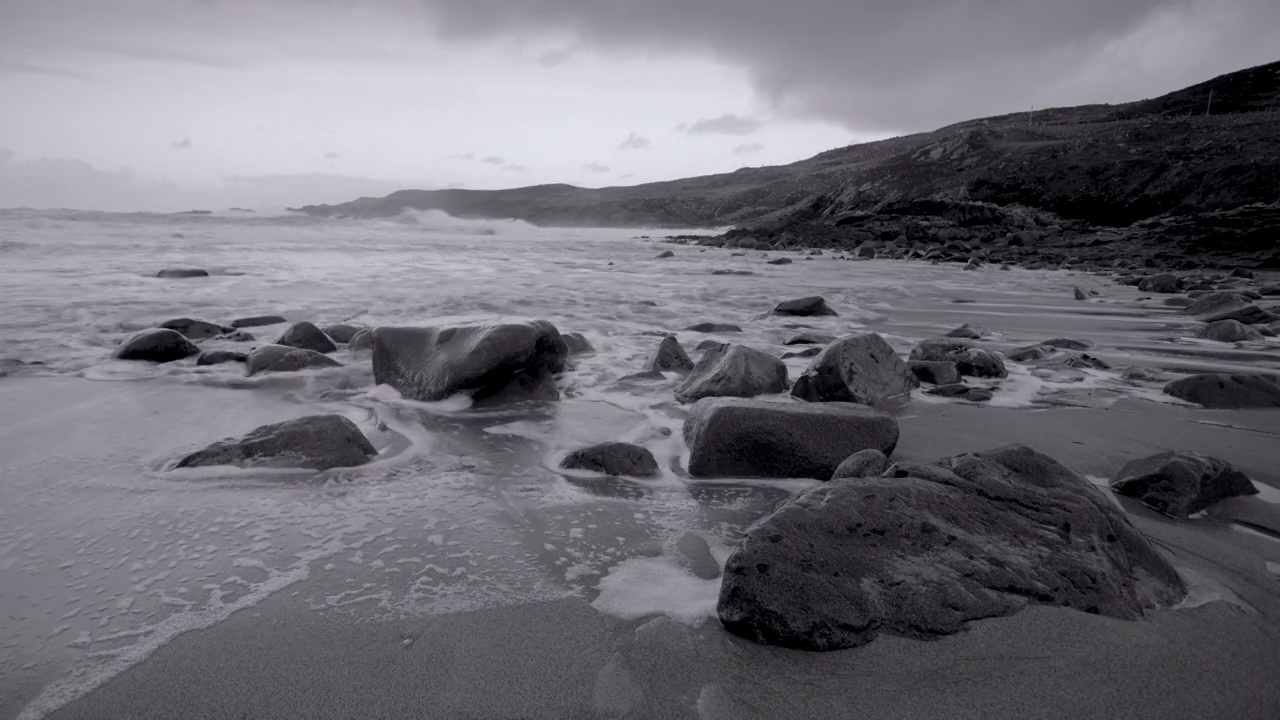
307	336
734	437
318	442
280	358
196	329
157	345
969	360
1161	283
486	360
1179	483
733	371
859	368
669	356
613	458
1227	391
1228	331
804	307
924	549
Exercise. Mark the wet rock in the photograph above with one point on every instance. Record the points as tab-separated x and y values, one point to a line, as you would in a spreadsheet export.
258	320
733	371
182	273
318	442
1179	483
159	345
1135	374
711	327
961	391
613	458
487	360
1085	362
732	272
306	336
732	437
973	264
1161	283
1249	314
1269	290
804	307
362	340
1227	391
864	463
697	555
665	254
935	373
1215	303
859	368
195	329
237	336
1228	331
1241	273
1030	353
218	357
925	549
968	359
780	261
646	376
341	332
966	331
669	357
708	344
577	343
282	358
807	352
1068	344
1080	294
809	338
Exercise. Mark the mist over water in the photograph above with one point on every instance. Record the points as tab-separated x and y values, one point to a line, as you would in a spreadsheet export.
464	509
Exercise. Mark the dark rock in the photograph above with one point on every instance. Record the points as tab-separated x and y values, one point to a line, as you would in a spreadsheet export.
1249	315
804	307
968	359
362	340
669	357
1030	353
665	254
1269	290
1161	283
614	458
1179	483
182	273
780	261
577	343
925	549
1083	362
710	327
1068	344
809	338
966	331
733	437
708	344
282	358
1227	391
645	376
935	373
1080	294
859	368
1215	303
217	357
257	321
732	272
1241	273
195	329
340	332
733	371
807	352
307	336
864	463
237	336
697	555
961	391
157	345
487	360
318	442
1228	331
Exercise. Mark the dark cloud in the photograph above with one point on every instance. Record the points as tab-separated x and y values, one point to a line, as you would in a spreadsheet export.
182	144
910	64
596	167
636	141
494	160
747	149
727	124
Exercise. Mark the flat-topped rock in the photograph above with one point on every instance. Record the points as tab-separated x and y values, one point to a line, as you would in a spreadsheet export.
182	273
1228	390
258	321
318	442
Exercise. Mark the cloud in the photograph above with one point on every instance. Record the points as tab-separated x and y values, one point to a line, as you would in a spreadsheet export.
331	156
596	167
464	156
515	168
727	124
635	141
747	148
494	160
182	144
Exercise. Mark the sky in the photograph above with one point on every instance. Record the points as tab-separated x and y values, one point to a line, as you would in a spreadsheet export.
174	104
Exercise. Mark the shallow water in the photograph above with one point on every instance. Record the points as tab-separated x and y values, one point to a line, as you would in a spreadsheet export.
105	554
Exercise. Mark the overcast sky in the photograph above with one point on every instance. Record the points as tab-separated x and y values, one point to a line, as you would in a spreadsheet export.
161	104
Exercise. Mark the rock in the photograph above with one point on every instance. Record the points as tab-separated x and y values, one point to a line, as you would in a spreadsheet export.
340	332
362	340
646	376
487	360
1249	314
808	338
1228	331
182	273
1227	391
1083	361
665	254
925	549
1134	373
804	307
1269	289
159	345
1179	483
733	371
934	372
864	463
281	358
961	391
577	343
807	352
732	272
318	442
780	261
1161	283
1030	353
306	336
710	327
697	555
973	264
613	458
966	331
1216	303
217	357
1067	344
237	336
1241	273
859	368
195	329
1178	301
968	359
669	357
258	320
1080	294
734	437
708	344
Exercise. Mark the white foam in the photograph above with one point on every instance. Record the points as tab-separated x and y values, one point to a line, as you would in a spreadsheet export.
640	587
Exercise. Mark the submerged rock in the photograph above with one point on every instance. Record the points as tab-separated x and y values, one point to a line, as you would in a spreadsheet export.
697	555
934	372
281	358
711	327
665	254
318	442
925	549
809	338
577	343
218	357
780	261
614	458
1179	483
237	336
864	463
733	371
1228	331
804	307
182	273
196	329
807	352
159	345
258	320
1030	353
342	332
1228	391
487	360
860	368
968	359
669	356
307	336
732	437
